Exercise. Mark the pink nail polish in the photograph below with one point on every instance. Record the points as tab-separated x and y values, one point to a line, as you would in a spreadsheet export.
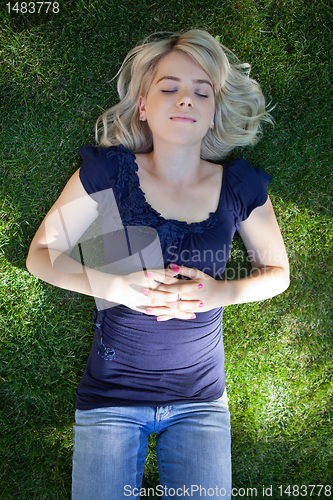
200	285
148	275
174	266
193	316
201	304
149	310
159	319
145	292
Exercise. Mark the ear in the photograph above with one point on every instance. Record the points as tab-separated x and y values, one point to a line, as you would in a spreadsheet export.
142	108
212	122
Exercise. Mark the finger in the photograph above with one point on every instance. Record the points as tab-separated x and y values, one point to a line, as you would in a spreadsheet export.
183	308
181	287
164	276
165	271
159	298
173	313
164	317
191	272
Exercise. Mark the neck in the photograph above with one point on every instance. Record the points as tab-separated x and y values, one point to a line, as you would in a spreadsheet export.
174	163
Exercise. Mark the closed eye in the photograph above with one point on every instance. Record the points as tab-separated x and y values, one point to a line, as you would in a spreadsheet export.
196	93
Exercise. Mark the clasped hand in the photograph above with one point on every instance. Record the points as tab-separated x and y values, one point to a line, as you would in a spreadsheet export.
157	293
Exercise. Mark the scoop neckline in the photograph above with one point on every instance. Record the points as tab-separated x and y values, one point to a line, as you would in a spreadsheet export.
211	216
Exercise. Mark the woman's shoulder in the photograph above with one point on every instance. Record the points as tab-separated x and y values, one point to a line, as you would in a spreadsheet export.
99	152
238	174
245	186
240	171
96	159
240	164
100	166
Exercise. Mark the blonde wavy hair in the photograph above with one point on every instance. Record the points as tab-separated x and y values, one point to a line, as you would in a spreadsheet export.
239	101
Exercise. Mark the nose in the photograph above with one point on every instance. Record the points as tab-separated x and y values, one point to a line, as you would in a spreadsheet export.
185	101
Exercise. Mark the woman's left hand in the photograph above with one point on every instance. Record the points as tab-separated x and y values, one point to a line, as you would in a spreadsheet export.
201	287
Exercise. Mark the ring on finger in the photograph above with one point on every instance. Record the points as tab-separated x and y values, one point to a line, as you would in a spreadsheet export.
179	297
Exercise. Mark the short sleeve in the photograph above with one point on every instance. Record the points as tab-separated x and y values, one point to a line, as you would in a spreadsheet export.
246	188
97	172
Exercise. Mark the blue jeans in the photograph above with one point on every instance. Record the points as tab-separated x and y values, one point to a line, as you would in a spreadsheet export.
192	448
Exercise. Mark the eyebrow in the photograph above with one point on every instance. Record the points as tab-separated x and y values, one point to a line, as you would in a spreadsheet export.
179	80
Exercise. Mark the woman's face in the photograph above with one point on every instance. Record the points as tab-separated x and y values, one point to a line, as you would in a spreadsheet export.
180	104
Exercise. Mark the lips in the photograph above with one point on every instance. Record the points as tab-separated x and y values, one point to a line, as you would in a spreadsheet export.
183	117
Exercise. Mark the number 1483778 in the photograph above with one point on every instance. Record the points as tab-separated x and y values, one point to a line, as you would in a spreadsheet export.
33	7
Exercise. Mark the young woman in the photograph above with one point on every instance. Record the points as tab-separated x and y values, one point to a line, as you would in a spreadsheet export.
156	364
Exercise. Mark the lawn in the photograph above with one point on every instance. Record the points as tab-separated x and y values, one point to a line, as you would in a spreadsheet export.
56	79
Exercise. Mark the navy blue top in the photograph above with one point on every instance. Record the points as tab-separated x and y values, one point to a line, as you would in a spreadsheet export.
135	360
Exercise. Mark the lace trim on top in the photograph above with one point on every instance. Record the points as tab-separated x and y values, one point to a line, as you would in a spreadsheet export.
134	207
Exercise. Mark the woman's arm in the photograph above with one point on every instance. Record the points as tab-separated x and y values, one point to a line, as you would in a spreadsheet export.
70	216
269	277
48	258
267	254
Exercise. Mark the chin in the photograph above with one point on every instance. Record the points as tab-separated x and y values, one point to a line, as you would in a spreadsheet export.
180	139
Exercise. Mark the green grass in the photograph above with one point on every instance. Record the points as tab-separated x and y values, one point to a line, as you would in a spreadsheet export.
55	79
